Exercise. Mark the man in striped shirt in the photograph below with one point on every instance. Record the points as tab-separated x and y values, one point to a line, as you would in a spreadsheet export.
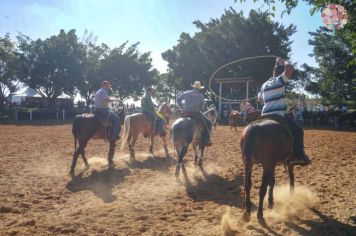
273	95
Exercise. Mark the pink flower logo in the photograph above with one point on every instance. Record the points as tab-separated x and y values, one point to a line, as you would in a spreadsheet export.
334	16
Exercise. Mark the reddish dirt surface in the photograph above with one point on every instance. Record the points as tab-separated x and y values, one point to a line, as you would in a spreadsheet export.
143	198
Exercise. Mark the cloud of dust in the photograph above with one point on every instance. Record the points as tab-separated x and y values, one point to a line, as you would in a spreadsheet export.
227	221
97	162
287	205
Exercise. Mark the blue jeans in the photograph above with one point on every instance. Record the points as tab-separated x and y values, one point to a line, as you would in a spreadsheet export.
160	127
113	118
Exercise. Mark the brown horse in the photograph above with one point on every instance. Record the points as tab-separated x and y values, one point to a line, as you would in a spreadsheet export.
138	123
234	118
269	143
87	126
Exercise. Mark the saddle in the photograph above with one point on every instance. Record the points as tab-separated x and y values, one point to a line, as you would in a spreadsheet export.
104	130
197	119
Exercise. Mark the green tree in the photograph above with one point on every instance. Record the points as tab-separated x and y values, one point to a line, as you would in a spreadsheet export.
8	69
226	39
317	5
165	88
91	78
335	78
52	66
128	70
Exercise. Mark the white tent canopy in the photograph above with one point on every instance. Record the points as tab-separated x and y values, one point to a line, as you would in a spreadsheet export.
29	92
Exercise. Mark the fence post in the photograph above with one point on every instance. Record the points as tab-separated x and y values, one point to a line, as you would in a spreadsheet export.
17	114
31	115
57	114
64	114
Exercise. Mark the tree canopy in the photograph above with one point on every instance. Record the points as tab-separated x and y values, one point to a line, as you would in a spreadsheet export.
335	78
8	68
226	39
128	70
52	66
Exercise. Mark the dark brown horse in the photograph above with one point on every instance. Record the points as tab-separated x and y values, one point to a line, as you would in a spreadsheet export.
269	143
87	126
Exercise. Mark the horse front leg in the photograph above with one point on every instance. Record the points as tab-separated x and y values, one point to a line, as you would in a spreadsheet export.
202	147
151	145
291	178
165	145
111	153
195	154
132	143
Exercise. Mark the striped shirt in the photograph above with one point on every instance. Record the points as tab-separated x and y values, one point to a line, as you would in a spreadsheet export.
273	93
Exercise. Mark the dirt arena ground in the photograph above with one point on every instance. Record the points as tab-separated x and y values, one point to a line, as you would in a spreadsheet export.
38	197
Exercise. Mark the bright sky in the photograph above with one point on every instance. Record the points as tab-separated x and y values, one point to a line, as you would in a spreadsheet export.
156	24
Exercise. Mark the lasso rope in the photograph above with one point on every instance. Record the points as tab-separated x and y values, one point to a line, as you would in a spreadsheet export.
228	64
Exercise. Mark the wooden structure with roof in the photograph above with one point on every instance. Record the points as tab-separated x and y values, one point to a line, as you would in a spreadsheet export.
234	83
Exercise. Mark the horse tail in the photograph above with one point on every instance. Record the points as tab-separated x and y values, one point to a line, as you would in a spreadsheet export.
75	130
125	131
248	141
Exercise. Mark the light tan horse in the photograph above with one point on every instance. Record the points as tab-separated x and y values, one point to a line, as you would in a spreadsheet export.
138	123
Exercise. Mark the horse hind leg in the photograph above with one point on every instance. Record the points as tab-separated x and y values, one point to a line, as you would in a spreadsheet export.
78	151
247	189
263	190
270	191
84	159
180	163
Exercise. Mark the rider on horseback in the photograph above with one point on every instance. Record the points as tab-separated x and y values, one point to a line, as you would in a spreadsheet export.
273	96
191	103
101	102
148	109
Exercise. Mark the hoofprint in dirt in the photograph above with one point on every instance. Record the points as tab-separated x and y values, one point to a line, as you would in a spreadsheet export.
39	197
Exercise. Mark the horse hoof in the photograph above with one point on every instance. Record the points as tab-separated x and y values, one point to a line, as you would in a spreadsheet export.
261	220
246	217
270	205
71	173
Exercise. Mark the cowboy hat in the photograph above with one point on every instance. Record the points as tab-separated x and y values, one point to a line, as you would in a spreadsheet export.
105	83
150	89
197	85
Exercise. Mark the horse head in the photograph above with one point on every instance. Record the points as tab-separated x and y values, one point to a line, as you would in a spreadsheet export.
165	109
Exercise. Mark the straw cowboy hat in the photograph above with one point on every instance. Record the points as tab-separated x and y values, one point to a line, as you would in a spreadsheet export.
197	85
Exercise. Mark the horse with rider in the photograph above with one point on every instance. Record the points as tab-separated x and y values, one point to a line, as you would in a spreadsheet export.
192	127
102	124
272	139
150	123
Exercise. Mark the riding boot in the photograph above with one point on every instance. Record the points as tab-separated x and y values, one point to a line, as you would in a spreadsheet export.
299	156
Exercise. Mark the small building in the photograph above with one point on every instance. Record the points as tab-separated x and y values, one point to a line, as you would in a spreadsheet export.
232	91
